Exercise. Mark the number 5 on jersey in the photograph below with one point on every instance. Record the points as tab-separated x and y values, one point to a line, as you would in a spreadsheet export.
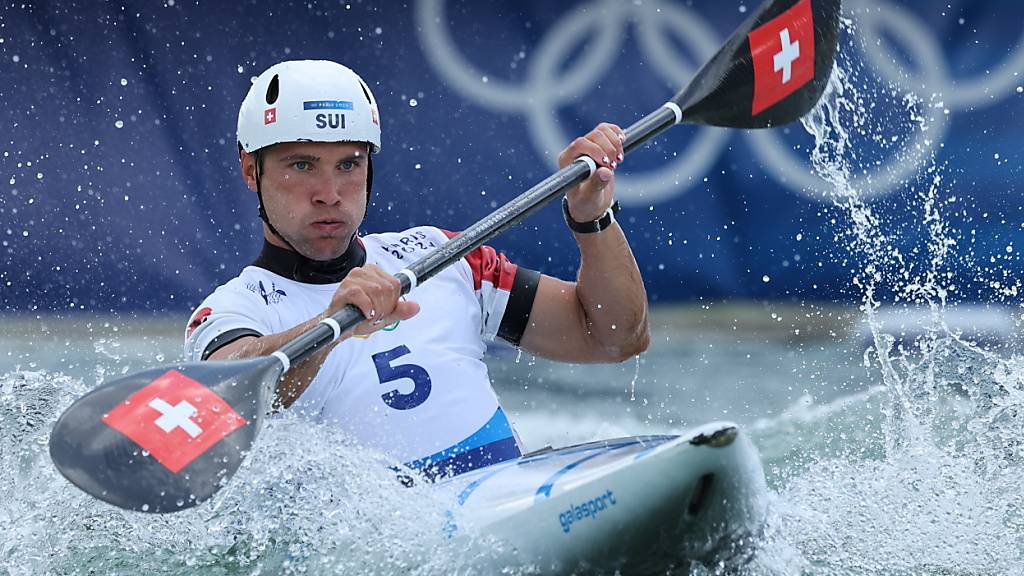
388	372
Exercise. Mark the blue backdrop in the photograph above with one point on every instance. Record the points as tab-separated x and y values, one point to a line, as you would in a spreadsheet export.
118	163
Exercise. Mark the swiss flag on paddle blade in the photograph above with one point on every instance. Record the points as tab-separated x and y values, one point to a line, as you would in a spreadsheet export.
174	418
782	50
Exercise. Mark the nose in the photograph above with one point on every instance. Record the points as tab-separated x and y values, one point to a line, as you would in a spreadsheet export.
329	190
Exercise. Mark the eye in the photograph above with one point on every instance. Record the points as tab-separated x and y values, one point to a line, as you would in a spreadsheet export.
302	165
348	165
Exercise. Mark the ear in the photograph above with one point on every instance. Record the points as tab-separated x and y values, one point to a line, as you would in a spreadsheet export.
247	162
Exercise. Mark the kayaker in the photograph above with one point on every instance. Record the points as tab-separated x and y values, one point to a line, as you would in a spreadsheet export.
410	381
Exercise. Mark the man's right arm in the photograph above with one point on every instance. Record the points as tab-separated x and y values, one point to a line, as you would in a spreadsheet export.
296	380
375	292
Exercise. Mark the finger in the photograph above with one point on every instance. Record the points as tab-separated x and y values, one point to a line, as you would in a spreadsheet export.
360	298
595	185
403	311
387	290
583	147
606	140
617	138
383	288
604	178
593	149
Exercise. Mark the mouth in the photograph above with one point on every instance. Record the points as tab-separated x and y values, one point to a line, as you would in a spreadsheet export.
328	225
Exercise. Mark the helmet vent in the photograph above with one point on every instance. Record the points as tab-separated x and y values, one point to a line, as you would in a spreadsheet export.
273	89
366	92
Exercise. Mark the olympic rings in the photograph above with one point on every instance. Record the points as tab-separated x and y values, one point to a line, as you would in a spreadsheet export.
605	23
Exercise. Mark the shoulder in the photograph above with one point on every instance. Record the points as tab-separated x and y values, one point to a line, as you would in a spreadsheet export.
249	294
243	288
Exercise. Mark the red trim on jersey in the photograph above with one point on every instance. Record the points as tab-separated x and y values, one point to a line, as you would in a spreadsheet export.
488	264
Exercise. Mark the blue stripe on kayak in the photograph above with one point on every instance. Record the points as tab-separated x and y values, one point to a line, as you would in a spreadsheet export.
605	448
545	489
464	495
494	442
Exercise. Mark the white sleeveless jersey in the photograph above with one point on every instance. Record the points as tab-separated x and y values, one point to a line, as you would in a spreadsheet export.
417	390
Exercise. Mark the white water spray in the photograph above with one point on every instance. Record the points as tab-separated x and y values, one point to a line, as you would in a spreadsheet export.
941	499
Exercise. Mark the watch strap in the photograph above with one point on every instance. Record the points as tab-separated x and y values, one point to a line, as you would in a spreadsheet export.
592	226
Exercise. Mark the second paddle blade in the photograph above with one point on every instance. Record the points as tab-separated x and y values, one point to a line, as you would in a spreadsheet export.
772	70
167	438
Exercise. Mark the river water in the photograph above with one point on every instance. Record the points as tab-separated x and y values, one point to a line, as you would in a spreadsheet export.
887	450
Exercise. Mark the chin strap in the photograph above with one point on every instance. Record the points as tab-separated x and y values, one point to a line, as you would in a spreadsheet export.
257	157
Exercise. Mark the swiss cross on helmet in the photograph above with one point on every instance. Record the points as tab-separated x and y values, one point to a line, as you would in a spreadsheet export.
308	101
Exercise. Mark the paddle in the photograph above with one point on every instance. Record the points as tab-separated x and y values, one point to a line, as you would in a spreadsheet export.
168	438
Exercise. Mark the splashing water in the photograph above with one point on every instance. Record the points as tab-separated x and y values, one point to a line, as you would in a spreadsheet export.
933	487
330	512
943	496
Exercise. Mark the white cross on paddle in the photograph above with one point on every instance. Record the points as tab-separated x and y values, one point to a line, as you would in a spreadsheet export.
177	416
784	59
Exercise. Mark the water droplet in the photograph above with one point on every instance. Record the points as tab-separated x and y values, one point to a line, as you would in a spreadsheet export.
413	102
765	279
16	58
240	69
39	175
119	124
145	507
124	81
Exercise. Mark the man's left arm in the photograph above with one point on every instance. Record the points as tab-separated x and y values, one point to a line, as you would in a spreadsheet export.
602	317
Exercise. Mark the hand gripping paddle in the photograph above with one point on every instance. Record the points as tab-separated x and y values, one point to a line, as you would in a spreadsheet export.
168	438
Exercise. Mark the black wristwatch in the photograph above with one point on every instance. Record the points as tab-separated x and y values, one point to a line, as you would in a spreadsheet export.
592	226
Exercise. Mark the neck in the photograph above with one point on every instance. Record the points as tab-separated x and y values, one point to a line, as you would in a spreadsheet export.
295	266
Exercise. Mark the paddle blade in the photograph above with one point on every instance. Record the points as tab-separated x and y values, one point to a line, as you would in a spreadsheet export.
771	71
167	438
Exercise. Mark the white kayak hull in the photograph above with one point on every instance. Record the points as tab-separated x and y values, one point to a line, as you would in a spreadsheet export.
640	504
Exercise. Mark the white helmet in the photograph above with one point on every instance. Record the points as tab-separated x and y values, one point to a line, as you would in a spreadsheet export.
308	101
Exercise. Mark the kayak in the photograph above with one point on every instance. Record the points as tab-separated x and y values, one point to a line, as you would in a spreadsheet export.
641	504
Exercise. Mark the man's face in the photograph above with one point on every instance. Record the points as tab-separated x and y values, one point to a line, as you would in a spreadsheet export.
314	194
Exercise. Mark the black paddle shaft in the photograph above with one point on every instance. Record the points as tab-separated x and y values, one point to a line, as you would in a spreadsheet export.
168	438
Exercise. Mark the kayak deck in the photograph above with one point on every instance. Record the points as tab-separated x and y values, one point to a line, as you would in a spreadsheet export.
637	504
